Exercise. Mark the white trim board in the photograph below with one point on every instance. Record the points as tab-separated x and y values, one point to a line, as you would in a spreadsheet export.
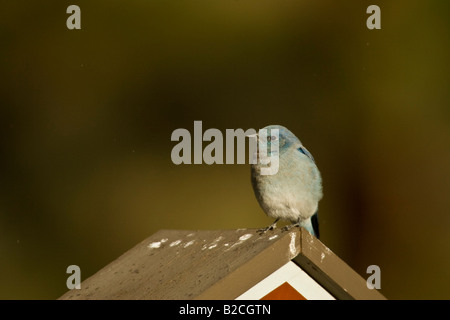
295	276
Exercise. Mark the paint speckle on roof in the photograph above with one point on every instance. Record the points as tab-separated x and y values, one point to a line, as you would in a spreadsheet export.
157	244
322	256
245	237
154	245
292	247
189	243
241	240
175	243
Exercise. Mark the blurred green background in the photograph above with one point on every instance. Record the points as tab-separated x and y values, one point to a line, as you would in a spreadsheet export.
86	118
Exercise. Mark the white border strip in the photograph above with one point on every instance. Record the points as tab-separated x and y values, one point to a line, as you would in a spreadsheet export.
295	276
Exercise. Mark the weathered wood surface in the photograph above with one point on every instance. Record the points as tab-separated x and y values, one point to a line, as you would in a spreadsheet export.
219	264
331	272
180	264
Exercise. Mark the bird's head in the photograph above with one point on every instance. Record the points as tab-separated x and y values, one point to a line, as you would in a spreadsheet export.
286	139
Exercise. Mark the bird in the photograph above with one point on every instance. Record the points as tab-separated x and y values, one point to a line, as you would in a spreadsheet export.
294	191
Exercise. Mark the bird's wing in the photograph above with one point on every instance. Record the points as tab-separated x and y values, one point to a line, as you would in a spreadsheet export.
306	153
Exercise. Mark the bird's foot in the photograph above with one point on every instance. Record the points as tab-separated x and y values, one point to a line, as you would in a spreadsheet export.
264	230
290	226
271	227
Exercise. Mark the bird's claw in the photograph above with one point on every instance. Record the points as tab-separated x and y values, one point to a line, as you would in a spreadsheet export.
289	227
264	230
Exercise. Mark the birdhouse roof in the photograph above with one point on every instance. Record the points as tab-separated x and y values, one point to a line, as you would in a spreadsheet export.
219	264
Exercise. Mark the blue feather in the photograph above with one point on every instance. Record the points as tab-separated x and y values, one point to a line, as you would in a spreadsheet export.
306	153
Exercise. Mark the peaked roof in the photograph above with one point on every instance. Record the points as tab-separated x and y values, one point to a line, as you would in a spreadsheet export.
217	264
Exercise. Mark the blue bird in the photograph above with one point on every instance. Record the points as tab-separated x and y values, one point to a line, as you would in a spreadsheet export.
294	192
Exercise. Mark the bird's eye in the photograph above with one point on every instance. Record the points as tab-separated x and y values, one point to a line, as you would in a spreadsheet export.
273	138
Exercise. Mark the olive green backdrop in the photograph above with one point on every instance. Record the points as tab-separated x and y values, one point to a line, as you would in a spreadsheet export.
86	118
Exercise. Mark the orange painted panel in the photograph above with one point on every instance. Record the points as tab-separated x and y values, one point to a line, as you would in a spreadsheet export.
284	292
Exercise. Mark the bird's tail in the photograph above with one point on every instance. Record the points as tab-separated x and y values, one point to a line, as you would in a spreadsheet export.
312	225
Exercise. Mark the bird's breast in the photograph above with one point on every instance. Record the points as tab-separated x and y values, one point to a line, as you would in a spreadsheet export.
293	192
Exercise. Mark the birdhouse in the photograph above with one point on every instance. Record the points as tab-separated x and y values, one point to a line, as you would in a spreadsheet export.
227	264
